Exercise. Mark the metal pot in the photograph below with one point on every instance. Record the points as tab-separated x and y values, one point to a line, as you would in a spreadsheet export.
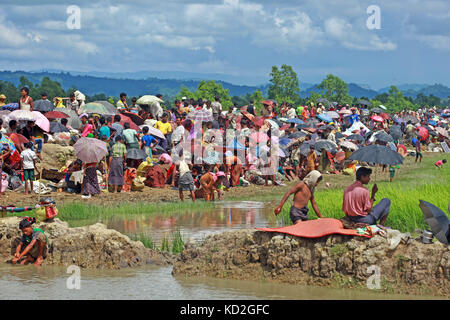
427	237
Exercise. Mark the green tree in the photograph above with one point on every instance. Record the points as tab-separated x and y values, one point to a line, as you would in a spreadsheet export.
284	85
396	101
184	92
209	90
335	89
313	97
257	97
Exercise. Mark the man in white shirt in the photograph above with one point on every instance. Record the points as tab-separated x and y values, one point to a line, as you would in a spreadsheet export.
122	103
291	113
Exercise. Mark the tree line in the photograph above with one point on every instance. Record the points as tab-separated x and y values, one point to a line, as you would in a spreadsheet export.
283	87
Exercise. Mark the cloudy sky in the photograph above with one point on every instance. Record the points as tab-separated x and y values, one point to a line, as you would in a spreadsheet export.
235	37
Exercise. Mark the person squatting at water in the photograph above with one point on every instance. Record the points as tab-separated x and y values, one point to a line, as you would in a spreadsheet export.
32	247
303	192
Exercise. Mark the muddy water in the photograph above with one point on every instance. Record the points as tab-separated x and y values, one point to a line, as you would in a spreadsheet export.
29	282
197	225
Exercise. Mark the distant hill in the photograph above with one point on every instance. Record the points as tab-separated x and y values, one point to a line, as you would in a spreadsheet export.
139	83
91	85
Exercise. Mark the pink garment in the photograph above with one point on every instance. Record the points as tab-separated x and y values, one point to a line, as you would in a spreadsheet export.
439	163
88	129
4	183
356	200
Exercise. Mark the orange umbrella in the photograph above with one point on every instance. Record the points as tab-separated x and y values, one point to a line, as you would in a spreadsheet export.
18	138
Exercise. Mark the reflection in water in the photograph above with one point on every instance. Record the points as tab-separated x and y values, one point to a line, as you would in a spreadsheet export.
230	215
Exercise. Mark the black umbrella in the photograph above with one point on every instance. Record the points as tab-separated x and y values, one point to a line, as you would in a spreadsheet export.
383	137
364	102
325	144
43	105
297	134
56	127
437	220
377	154
136	154
322	100
303	126
413	120
377	110
356	137
339	135
312	122
396	132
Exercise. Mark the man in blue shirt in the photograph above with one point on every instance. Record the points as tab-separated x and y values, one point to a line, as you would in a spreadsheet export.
353	117
148	141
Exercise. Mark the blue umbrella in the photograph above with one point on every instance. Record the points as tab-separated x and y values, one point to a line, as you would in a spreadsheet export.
11	106
285	141
295	120
432	122
235	145
324	117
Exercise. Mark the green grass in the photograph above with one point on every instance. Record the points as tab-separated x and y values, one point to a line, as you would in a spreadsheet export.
174	245
423	182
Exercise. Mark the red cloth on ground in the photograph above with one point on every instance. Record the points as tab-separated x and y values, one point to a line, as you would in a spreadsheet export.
315	229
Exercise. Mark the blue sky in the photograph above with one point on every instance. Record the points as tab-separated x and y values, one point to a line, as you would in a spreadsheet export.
233	37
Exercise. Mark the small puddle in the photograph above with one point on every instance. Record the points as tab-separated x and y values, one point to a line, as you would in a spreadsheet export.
197	225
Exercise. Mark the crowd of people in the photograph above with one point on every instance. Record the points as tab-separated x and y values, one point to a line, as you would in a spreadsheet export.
196	146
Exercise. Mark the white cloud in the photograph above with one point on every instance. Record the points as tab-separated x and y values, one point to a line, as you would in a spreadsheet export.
345	34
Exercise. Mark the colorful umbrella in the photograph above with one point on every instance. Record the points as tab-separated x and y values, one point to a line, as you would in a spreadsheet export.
377	118
324	117
345	111
423	133
124	119
56	115
384	115
90	150
259	136
134	117
24	115
18	138
41	121
6	140
10	106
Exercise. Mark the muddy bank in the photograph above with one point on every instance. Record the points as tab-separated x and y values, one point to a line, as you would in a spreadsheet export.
335	260
92	246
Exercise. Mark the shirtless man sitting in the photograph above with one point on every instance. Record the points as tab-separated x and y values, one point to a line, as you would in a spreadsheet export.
303	192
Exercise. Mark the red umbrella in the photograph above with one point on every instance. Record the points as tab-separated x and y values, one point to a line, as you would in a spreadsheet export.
259	137
18	138
385	116
248	115
56	115
267	102
423	133
125	119
134	117
377	118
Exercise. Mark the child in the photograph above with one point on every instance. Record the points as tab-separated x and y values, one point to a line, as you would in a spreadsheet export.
33	244
186	181
28	158
439	163
148	142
